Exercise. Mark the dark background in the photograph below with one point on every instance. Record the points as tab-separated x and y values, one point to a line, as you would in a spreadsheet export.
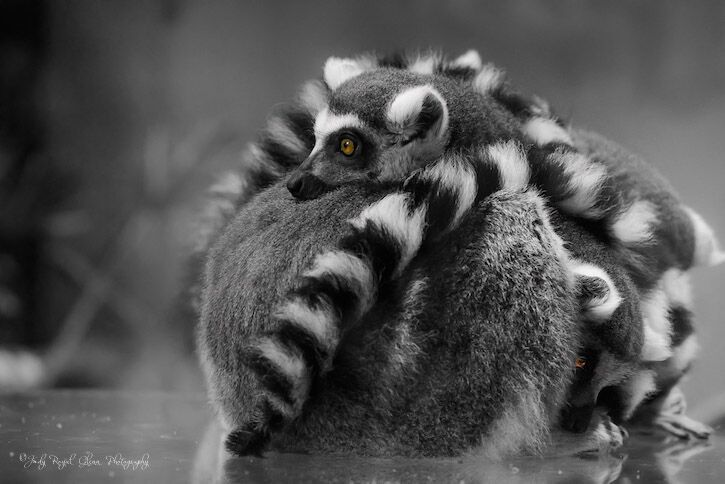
115	115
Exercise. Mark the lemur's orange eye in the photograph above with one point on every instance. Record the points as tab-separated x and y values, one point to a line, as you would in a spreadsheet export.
347	146
580	362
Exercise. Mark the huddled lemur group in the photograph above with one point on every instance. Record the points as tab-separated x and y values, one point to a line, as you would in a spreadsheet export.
417	259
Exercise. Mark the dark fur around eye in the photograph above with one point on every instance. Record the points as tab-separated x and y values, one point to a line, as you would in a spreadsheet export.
357	141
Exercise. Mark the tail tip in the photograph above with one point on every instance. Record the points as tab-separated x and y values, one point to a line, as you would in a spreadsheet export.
707	249
717	258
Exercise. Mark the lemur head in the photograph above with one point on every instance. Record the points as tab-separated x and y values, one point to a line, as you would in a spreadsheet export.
378	125
382	121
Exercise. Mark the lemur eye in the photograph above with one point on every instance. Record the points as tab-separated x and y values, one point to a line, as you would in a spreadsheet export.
347	146
580	362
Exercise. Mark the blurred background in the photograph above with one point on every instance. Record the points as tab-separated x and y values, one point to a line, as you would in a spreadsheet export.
116	115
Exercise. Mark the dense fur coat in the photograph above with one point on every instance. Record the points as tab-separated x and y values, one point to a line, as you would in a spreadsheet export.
474	348
646	240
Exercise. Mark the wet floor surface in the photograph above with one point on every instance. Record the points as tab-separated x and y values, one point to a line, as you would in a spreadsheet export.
64	436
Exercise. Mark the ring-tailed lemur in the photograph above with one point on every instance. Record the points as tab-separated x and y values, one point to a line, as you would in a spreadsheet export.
363	406
437	367
382	124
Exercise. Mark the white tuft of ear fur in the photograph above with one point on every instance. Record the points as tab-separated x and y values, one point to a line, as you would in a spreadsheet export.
599	309
470	60
338	70
707	249
408	105
489	79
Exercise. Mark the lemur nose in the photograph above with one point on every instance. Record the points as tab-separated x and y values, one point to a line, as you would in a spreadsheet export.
294	184
304	185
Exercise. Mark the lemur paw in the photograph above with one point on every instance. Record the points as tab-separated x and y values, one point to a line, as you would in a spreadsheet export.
682	426
602	437
607	436
247	441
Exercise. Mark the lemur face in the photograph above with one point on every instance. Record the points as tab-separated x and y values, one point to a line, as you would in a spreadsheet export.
378	125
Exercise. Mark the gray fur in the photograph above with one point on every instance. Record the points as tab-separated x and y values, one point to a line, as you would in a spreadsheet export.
497	295
241	313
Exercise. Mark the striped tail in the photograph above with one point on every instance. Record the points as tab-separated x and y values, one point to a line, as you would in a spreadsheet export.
581	186
281	146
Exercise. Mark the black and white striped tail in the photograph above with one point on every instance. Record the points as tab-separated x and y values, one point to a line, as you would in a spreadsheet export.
281	146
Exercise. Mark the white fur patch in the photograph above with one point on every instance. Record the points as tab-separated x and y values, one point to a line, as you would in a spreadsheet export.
288	363
338	70
256	157
599	309
512	165
313	97
424	64
657	326
676	285
685	353
523	426
318	322
413	294
488	80
327	123
636	224
393	214
586	178
470	60
707	249
219	207
457	177
639	386
407	105
229	185
545	130
281	133
354	270
557	243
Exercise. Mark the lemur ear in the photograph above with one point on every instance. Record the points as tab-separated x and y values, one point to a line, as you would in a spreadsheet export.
418	113
597	294
338	70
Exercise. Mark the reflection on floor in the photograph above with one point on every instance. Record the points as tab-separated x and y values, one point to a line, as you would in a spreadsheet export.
83	436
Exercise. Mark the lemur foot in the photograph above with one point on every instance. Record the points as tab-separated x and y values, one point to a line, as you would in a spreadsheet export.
673	420
682	426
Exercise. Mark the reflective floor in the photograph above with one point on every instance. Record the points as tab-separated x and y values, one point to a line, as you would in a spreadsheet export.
85	436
